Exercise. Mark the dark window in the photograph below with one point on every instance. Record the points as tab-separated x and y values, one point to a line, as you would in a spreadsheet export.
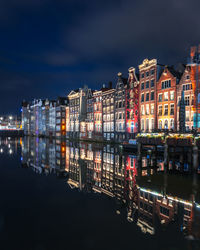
147	73
152	95
160	97
152	83
147	96
142	98
142	85
164	210
142	75
147	84
128	115
152	71
166	84
187	212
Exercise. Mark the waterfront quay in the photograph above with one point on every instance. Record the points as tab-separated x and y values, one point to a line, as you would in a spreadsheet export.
158	98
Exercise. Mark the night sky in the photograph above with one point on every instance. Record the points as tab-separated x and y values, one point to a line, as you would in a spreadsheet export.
49	47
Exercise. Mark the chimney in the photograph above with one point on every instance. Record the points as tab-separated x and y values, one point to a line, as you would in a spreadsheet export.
110	85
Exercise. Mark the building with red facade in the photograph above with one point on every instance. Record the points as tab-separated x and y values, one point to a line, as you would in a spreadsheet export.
167	99
132	104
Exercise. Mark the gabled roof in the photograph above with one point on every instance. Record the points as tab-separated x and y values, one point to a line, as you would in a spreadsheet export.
73	92
174	72
121	80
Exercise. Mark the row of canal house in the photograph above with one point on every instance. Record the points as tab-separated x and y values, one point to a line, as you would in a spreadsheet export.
159	97
167	94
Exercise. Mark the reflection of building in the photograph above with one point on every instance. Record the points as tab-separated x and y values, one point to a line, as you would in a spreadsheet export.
104	169
107	182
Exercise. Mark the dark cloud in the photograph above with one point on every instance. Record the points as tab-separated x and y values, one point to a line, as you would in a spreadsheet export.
49	47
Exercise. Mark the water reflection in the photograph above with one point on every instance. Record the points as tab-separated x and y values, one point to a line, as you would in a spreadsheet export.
155	194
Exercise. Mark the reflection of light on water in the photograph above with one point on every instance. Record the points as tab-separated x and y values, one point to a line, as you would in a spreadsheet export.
10	151
1	150
170	198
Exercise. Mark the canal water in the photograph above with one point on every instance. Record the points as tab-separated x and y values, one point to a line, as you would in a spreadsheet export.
64	195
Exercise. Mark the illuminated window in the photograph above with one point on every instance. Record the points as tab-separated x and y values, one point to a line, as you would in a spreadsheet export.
166	109
172	123
166	96
142	124
152	109
147	109
152	123
142	109
187	100
187	116
171	95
